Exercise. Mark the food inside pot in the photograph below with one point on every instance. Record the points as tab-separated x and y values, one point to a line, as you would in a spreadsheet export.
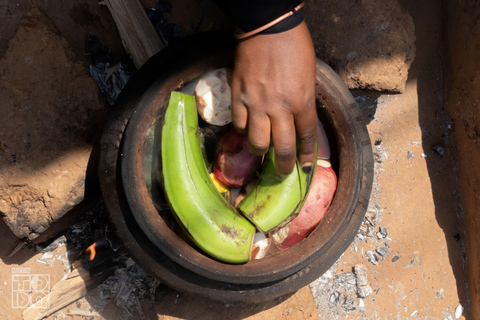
213	193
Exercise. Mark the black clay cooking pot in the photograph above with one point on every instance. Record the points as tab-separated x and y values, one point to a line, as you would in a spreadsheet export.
161	252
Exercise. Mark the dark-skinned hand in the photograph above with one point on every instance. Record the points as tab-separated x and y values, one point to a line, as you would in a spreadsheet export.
273	95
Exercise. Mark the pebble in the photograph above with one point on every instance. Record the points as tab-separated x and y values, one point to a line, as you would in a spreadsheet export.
440	294
361	304
458	311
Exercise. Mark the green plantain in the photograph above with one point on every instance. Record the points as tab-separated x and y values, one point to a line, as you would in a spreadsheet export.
213	225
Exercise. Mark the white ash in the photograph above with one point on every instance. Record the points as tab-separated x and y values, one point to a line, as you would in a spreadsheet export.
60	241
447	316
416	260
336	295
345	281
128	288
332	300
47	256
363	285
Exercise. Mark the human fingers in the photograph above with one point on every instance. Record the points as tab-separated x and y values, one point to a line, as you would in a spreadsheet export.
306	126
258	133
239	111
283	136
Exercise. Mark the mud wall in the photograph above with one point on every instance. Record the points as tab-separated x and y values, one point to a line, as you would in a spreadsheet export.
462	101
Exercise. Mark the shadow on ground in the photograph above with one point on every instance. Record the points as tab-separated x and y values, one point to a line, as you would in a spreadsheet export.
437	131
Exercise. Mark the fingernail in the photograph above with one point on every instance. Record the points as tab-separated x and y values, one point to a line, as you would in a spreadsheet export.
307	167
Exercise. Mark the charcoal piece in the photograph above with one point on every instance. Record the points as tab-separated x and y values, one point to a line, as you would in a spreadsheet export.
335	297
395	259
169	33
383	231
164	6
439	150
368	221
112	85
93	45
112	239
370	232
378	142
156	18
348	304
457	237
383	250
111	71
156	14
372	257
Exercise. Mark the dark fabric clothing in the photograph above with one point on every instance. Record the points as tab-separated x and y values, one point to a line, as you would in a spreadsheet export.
252	14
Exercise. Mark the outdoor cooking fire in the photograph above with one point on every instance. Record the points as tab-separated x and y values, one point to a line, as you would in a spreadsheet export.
91	251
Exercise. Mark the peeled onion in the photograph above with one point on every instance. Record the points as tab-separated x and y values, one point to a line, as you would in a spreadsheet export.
234	164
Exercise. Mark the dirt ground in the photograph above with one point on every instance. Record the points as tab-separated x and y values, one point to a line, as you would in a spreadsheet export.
416	197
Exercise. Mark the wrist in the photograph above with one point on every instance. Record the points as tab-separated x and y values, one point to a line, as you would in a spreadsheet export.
282	23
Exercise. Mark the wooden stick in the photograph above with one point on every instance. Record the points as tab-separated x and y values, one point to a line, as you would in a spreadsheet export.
85	276
139	37
62	294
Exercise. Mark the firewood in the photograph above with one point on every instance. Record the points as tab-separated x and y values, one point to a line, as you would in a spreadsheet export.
139	37
94	266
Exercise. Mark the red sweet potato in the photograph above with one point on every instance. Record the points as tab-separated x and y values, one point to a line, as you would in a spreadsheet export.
318	201
234	164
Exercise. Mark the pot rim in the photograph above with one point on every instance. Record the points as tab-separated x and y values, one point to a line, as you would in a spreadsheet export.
271	268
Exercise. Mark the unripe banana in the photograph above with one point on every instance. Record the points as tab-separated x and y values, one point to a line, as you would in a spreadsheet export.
214	225
274	201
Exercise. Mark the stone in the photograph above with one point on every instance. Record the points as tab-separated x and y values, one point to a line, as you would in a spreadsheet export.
50	112
370	44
